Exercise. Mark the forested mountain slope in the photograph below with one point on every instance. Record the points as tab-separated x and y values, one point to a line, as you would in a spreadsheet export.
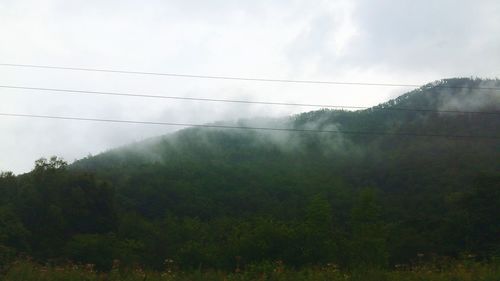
376	187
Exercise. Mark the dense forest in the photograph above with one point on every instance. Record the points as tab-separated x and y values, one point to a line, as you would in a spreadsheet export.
385	186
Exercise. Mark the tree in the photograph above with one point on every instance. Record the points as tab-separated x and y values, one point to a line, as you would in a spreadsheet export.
482	206
13	235
319	242
368	244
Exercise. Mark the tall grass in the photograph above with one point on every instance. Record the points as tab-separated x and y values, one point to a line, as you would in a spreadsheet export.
470	271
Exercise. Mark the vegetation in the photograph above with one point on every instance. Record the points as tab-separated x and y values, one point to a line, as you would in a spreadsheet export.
211	201
467	271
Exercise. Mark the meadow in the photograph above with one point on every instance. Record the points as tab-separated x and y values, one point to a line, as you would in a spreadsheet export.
456	271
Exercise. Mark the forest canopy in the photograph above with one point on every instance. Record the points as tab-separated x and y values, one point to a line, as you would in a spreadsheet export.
217	198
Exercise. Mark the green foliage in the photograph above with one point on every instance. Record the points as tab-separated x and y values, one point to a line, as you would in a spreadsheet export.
368	244
223	199
12	231
102	249
269	271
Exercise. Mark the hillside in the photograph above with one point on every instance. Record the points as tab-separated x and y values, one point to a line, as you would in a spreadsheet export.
381	150
388	184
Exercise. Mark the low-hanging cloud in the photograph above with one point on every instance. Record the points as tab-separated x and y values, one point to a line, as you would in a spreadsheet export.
373	41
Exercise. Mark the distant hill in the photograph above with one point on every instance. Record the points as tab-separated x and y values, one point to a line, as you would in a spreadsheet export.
409	176
373	138
217	162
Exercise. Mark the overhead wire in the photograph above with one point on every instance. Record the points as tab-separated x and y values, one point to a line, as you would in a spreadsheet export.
240	101
220	126
239	78
74	91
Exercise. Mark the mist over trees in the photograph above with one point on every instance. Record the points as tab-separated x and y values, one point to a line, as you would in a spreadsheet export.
224	198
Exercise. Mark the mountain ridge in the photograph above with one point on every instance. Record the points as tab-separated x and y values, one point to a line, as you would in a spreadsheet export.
208	195
414	103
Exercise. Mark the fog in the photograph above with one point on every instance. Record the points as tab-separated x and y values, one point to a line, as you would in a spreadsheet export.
393	42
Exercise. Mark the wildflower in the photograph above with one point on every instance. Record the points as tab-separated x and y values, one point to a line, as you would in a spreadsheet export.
89	267
238	259
279	266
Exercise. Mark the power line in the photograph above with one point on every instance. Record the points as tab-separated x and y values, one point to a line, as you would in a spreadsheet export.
240	78
247	128
72	91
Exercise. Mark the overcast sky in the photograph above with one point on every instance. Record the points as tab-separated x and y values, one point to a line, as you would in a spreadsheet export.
394	41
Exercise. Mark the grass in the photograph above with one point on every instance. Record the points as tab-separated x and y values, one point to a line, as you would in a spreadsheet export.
466	271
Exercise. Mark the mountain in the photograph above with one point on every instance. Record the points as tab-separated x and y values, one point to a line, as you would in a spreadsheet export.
415	175
424	127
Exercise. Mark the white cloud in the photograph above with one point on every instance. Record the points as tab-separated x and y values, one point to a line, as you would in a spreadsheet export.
374	41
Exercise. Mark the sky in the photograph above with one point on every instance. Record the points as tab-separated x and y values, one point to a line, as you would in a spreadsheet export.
385	41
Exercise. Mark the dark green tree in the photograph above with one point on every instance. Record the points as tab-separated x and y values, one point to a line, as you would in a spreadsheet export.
368	237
